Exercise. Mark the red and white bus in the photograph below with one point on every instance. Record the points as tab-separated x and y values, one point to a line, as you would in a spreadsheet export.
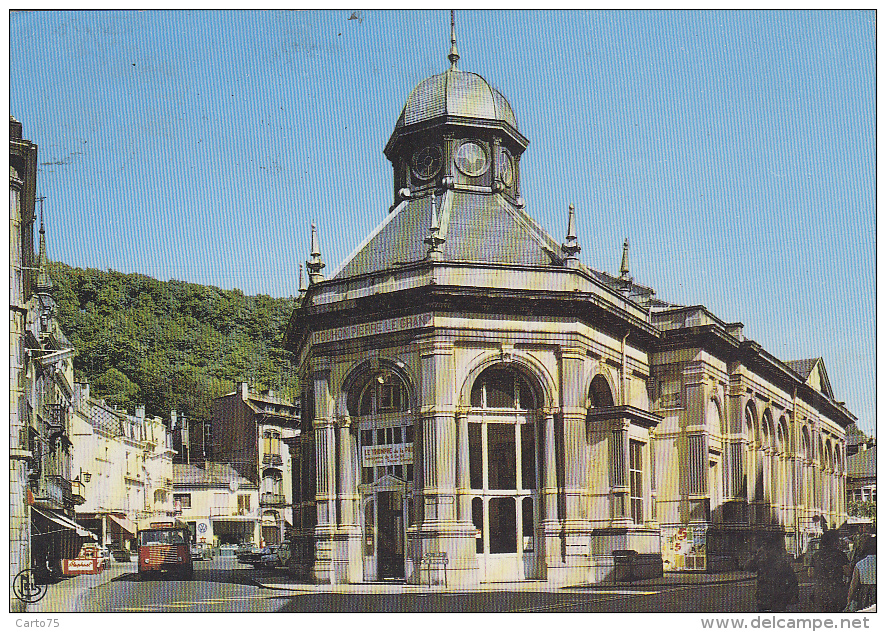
164	547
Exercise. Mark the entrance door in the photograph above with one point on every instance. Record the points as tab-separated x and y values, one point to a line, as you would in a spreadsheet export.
390	535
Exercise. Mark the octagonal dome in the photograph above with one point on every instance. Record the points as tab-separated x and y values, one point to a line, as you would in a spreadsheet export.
456	93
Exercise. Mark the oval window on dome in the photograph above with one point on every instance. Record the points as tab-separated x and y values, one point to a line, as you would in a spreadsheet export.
505	167
471	159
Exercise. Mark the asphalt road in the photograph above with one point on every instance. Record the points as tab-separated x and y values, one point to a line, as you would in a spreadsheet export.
223	585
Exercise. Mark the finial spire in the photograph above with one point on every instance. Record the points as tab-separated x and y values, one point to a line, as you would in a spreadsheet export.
302	287
434	240
316	262
625	270
453	49
570	247
44	281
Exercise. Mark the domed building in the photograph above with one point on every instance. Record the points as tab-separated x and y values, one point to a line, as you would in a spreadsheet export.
480	406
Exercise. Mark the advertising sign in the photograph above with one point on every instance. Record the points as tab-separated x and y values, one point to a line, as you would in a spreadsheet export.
80	566
383	455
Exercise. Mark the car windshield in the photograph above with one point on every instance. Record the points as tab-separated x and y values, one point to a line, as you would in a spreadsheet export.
161	537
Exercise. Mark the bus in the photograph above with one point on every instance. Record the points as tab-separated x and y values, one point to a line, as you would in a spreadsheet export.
164	547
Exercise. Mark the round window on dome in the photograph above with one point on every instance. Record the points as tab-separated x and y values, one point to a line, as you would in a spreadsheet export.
471	159
426	162
505	167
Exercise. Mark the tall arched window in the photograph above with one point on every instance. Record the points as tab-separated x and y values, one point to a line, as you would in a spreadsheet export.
502	461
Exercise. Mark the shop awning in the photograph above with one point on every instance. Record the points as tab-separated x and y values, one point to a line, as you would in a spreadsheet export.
123	523
65	522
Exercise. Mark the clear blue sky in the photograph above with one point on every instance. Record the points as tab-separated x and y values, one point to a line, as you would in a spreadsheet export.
735	149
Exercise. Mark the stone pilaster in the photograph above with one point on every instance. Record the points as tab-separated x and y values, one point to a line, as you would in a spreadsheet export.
348	552
324	437
442	530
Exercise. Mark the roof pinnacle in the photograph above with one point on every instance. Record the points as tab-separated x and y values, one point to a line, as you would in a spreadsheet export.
302	288
315	264
453	49
434	240
625	271
570	247
44	281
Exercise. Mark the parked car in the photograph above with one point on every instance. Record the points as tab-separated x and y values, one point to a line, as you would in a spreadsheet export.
266	557
121	554
201	551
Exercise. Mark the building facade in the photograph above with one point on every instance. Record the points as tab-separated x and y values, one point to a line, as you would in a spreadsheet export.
248	431
480	406
43	494
219	504
123	463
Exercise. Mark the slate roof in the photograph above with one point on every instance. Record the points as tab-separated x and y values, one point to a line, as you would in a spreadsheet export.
862	464
209	474
477	228
456	93
803	367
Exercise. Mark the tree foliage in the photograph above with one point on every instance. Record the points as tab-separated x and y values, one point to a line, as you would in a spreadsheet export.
170	344
863	509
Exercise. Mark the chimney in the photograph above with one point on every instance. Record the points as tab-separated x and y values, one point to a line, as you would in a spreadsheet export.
140	412
81	393
243	389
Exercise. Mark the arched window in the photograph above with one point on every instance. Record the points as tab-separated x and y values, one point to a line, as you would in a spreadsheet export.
502	461
600	394
501	387
382	393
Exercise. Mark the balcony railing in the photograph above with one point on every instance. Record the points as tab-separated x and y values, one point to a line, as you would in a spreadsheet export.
270	499
272	459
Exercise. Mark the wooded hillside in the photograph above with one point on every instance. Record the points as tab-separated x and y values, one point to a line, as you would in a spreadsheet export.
170	344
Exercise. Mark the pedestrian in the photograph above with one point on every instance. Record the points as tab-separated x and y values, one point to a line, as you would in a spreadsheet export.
777	584
830	569
863	587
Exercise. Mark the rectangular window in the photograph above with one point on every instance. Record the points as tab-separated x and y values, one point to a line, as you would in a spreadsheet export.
409	434
183	500
636	475
368	473
366	437
475	455
503	525
502	462
398	435
221	503
528	526
739	483
477	519
243	505
698	461
390	398
527	456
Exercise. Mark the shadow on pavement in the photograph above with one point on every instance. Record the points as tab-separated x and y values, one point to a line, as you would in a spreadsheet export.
242	576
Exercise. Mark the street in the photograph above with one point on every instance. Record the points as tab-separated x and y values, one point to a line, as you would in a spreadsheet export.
224	585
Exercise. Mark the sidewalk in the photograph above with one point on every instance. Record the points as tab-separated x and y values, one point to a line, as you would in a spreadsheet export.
64	595
670	579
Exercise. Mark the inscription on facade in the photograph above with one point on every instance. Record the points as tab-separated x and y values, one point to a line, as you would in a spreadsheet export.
383	455
371	329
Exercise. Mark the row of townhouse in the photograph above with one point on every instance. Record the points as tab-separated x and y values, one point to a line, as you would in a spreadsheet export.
79	471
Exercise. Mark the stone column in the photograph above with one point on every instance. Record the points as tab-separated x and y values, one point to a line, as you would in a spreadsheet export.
574	397
463	473
550	517
324	441
348	543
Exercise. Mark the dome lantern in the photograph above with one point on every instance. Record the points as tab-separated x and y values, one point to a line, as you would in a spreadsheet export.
456	131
